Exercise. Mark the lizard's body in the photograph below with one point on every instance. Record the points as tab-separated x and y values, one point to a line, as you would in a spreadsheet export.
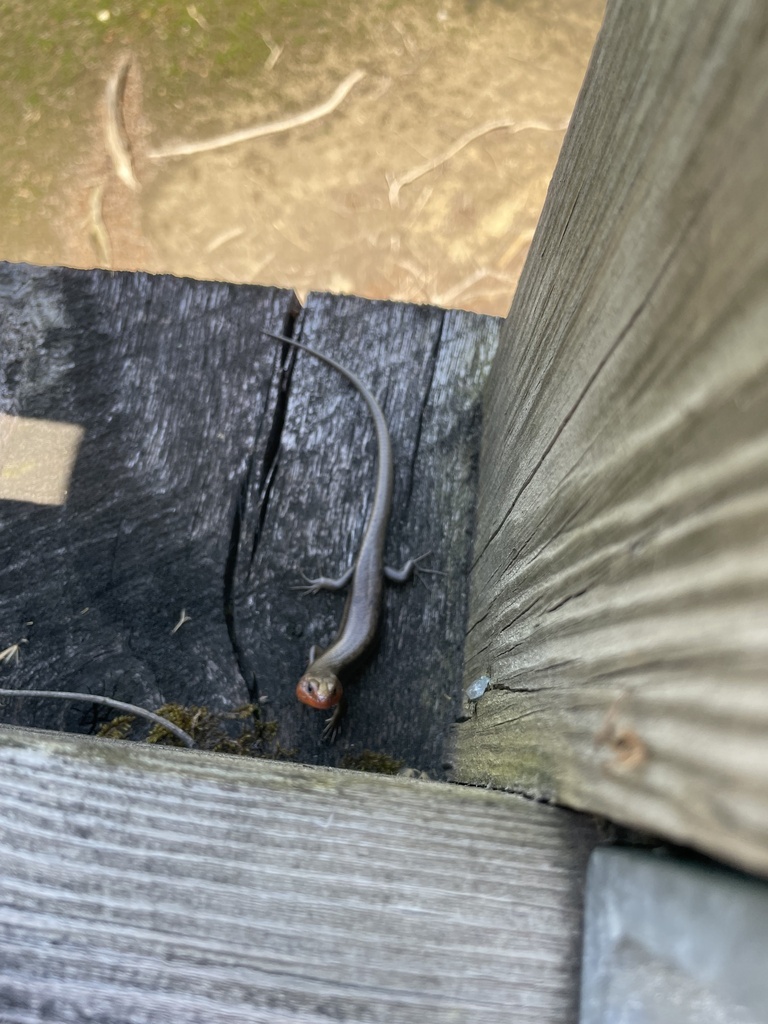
319	686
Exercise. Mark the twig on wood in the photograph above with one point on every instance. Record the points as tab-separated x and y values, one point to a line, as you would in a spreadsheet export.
95	698
396	184
114	130
12	653
261	130
182	619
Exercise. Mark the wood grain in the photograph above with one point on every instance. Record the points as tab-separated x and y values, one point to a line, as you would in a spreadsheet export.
620	584
141	884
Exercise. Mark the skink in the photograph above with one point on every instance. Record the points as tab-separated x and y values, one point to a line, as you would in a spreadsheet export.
319	686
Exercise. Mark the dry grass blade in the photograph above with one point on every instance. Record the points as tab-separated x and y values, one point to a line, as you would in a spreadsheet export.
396	184
114	133
260	130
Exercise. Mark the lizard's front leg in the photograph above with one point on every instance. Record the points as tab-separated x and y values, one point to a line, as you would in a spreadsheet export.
314	586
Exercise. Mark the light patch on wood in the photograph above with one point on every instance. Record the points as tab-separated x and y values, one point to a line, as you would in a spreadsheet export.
36	459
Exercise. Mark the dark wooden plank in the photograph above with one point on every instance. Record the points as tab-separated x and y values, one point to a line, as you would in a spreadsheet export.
427	367
212	472
620	588
174	396
140	884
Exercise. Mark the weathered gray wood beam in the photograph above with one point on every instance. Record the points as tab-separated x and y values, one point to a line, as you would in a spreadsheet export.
146	884
679	941
619	596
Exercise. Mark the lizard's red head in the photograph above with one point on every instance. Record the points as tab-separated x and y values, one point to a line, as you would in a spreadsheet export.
319	691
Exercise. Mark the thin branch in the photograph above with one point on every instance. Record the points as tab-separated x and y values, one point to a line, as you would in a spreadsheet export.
259	131
396	184
94	698
114	131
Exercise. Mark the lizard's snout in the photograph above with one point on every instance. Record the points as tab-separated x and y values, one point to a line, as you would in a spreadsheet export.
319	693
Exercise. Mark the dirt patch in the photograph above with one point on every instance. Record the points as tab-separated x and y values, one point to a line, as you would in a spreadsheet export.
316	207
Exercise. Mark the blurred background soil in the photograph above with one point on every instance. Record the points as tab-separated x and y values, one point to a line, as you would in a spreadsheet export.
408	189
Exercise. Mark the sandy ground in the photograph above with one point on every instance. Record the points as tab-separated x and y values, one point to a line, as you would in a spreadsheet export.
423	184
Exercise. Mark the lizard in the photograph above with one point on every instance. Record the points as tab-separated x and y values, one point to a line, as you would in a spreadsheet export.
320	685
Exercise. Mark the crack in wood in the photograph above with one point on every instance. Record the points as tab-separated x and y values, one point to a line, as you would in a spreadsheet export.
520	689
269	464
565	600
520	614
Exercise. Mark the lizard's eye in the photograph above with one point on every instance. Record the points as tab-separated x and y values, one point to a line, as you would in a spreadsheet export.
319	693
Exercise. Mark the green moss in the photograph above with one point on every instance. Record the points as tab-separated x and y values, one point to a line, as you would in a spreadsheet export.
369	761
117	728
201	69
240	731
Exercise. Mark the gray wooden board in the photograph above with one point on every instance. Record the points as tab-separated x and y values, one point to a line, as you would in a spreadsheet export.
670	941
620	584
148	884
210	474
